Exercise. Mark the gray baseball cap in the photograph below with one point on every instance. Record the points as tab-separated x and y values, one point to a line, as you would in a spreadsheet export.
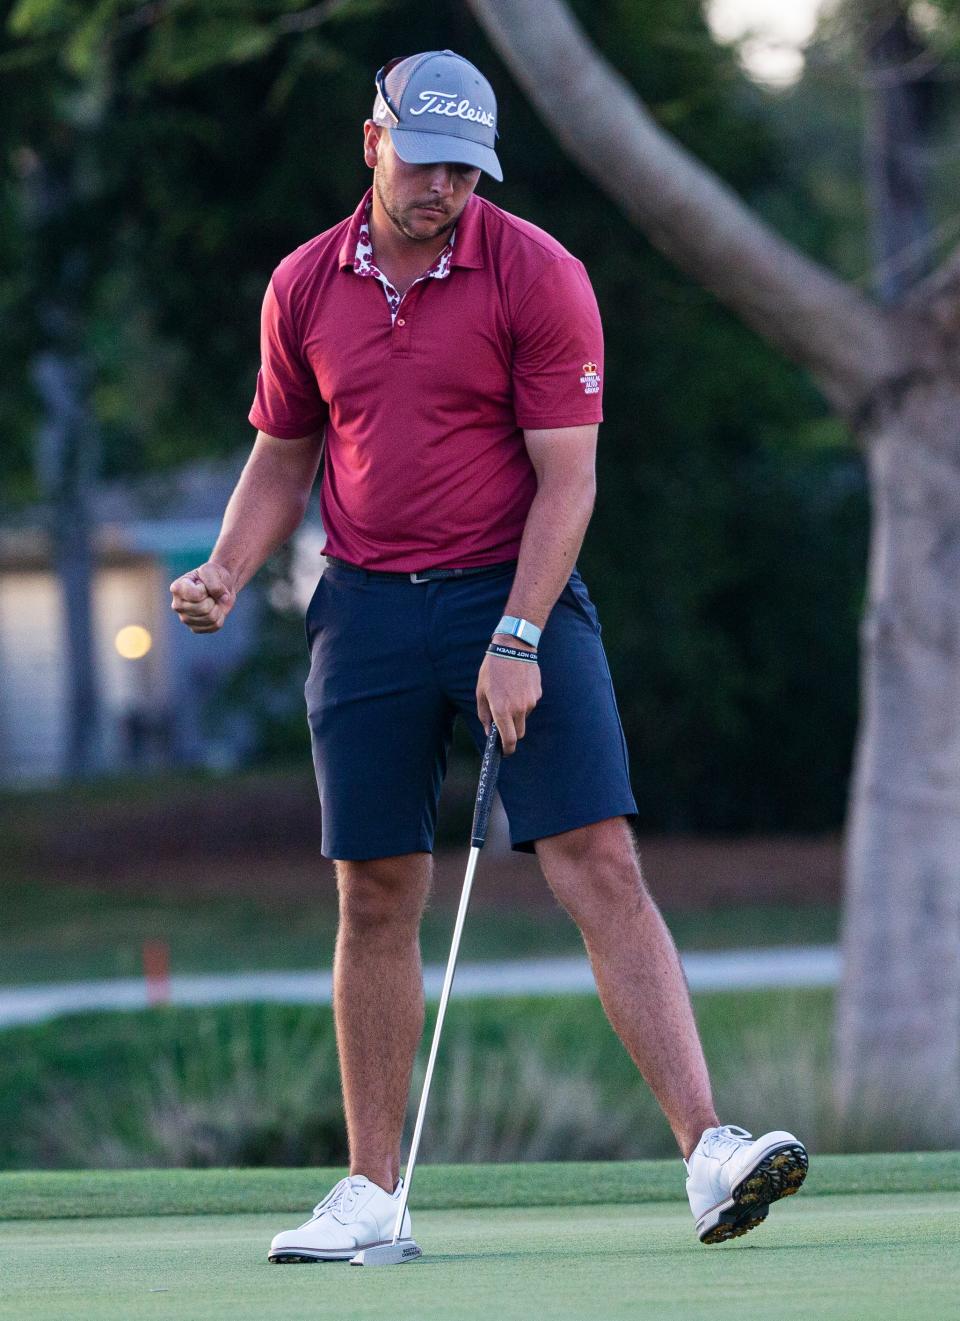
438	107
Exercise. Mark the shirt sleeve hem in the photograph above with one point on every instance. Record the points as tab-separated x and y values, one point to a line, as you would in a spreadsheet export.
528	423
282	432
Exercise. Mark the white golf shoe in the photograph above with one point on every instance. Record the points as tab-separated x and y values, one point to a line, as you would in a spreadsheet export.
732	1179
355	1214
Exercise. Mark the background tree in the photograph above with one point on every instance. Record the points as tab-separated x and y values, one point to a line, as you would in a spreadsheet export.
58	266
891	372
726	549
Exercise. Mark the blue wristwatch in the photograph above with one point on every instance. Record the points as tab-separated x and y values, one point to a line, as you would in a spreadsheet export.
519	628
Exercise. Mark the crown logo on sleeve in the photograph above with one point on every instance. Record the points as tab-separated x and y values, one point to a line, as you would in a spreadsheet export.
590	380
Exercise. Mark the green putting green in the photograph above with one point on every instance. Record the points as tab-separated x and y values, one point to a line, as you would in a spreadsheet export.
828	1253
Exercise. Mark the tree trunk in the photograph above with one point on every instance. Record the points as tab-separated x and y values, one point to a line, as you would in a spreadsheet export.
896	124
898	1017
67	449
898	1033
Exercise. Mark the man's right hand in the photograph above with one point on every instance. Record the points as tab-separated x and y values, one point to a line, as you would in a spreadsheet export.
204	597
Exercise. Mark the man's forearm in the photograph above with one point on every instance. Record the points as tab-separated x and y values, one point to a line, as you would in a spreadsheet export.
265	509
552	537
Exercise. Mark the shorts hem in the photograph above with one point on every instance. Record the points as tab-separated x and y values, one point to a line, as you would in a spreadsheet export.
526	842
369	853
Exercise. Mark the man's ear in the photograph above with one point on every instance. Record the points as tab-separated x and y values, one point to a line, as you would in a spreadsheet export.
371	141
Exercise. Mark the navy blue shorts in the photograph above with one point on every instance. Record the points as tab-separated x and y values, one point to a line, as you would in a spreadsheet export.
394	662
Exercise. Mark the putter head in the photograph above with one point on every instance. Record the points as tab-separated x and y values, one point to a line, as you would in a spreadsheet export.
388	1254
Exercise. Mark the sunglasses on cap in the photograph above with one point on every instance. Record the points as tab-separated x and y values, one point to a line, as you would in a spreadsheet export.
380	84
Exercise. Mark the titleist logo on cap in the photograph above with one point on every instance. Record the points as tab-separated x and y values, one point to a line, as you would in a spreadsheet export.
446	103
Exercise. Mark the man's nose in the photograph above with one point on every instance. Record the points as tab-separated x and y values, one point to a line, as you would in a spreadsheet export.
441	178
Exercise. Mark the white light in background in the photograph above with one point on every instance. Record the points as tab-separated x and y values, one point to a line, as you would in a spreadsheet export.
308	563
133	642
770	34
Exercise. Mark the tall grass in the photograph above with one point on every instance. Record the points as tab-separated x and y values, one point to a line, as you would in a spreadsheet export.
519	1102
245	1085
516	1080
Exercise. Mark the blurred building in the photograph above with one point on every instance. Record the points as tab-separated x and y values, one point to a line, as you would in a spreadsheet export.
156	679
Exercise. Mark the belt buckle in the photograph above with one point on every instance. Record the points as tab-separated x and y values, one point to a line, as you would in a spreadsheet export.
415	578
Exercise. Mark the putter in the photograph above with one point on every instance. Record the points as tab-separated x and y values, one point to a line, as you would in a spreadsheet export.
401	1250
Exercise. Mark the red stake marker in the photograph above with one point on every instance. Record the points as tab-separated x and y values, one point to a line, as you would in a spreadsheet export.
156	971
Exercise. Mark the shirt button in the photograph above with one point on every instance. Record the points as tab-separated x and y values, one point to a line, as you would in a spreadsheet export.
400	321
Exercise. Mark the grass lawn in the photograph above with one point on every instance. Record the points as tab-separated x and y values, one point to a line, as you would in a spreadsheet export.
869	1236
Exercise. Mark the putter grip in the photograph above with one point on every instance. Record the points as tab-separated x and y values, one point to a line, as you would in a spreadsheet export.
489	768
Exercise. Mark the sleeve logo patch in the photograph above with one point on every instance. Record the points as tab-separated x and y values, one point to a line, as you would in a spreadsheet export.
590	380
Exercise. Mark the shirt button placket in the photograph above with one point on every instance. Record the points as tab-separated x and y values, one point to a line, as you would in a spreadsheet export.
401	328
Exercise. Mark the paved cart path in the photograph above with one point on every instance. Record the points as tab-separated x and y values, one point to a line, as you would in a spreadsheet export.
726	970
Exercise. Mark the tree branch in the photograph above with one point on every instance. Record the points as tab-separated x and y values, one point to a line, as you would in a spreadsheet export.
813	317
303	20
937	298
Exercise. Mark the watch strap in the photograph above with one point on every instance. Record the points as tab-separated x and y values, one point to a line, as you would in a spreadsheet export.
519	628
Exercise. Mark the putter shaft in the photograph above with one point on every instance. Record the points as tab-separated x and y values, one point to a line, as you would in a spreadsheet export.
435	1043
489	770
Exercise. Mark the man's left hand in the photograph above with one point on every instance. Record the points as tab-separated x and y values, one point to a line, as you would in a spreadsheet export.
507	691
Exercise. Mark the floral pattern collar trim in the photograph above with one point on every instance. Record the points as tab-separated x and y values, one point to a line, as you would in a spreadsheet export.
363	264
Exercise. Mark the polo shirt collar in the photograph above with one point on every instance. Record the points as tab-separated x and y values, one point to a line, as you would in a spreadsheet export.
466	250
348	249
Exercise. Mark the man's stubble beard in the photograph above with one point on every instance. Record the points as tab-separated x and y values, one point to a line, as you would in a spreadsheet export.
395	218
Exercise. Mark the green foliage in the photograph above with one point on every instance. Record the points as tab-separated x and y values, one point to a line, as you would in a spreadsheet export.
197	143
40	18
258	1084
939	22
518	1079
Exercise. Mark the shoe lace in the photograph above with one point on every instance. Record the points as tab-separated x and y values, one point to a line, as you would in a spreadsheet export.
339	1201
727	1135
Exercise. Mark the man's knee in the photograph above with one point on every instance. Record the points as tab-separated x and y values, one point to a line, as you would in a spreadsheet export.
596	866
383	894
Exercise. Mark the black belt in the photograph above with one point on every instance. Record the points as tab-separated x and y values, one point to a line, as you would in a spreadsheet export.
424	575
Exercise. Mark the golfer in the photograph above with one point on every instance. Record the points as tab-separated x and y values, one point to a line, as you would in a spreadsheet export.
444	359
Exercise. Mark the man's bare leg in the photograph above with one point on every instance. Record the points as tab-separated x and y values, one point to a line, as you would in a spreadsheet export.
378	1003
595	873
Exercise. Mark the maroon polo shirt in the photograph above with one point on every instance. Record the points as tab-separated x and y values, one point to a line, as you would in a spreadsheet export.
425	460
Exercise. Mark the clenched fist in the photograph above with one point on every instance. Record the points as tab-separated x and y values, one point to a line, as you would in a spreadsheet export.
204	597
